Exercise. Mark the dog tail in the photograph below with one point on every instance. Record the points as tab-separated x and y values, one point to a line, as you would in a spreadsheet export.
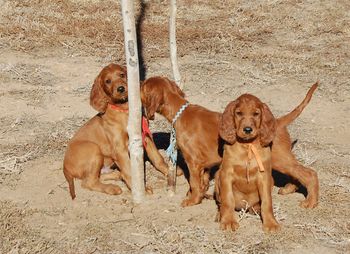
291	116
70	181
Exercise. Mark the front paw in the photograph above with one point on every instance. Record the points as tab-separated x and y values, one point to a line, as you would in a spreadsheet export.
113	189
179	172
308	203
271	227
229	224
189	202
209	196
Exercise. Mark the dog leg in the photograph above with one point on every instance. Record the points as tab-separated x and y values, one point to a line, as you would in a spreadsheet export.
155	157
205	185
95	185
227	217
264	185
284	161
196	194
113	175
306	176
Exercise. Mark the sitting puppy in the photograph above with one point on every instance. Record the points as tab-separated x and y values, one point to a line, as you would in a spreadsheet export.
103	140
248	127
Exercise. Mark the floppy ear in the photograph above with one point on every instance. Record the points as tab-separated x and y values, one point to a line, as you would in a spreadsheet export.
98	97
150	101
227	128
268	126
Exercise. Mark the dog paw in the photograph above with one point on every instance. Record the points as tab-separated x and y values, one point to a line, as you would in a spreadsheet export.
189	202
288	189
114	190
231	225
179	172
271	227
308	203
209	196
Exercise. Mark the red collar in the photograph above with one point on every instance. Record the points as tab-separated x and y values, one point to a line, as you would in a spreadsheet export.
118	108
145	131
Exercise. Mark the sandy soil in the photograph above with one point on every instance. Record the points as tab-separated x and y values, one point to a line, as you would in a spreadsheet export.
52	51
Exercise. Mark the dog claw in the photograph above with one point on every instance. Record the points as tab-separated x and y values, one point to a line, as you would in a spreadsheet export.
271	228
307	203
189	202
114	190
229	225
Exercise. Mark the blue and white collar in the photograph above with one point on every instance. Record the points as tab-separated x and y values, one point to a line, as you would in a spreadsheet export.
172	149
178	113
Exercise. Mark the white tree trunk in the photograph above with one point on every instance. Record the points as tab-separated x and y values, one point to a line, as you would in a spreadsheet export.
134	123
177	78
172	40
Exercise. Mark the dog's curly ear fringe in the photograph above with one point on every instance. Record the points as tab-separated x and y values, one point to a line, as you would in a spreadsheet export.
151	98
268	126
152	105
227	129
98	97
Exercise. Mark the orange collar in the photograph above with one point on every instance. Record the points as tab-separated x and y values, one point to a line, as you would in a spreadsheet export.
252	150
117	108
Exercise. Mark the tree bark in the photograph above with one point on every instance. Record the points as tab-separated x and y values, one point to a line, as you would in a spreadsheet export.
172	41
134	122
177	78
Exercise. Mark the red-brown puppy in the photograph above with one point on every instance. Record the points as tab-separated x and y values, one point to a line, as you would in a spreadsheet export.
197	136
244	179
103	140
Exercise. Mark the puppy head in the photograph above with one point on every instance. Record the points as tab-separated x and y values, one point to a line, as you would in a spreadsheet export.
110	86
246	119
155	92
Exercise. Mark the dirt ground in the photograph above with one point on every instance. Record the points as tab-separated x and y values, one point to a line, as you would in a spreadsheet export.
50	53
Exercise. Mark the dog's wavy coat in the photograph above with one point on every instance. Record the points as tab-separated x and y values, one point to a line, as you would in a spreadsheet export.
103	140
244	180
197	134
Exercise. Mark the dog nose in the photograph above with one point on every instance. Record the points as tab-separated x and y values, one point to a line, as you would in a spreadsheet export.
247	130
121	89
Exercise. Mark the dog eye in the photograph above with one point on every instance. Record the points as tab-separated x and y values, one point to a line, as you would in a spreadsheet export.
108	81
239	113
122	75
256	114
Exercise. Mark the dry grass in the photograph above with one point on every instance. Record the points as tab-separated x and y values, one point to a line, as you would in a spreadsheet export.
44	138
303	155
29	74
240	29
87	27
16	236
308	42
10	162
